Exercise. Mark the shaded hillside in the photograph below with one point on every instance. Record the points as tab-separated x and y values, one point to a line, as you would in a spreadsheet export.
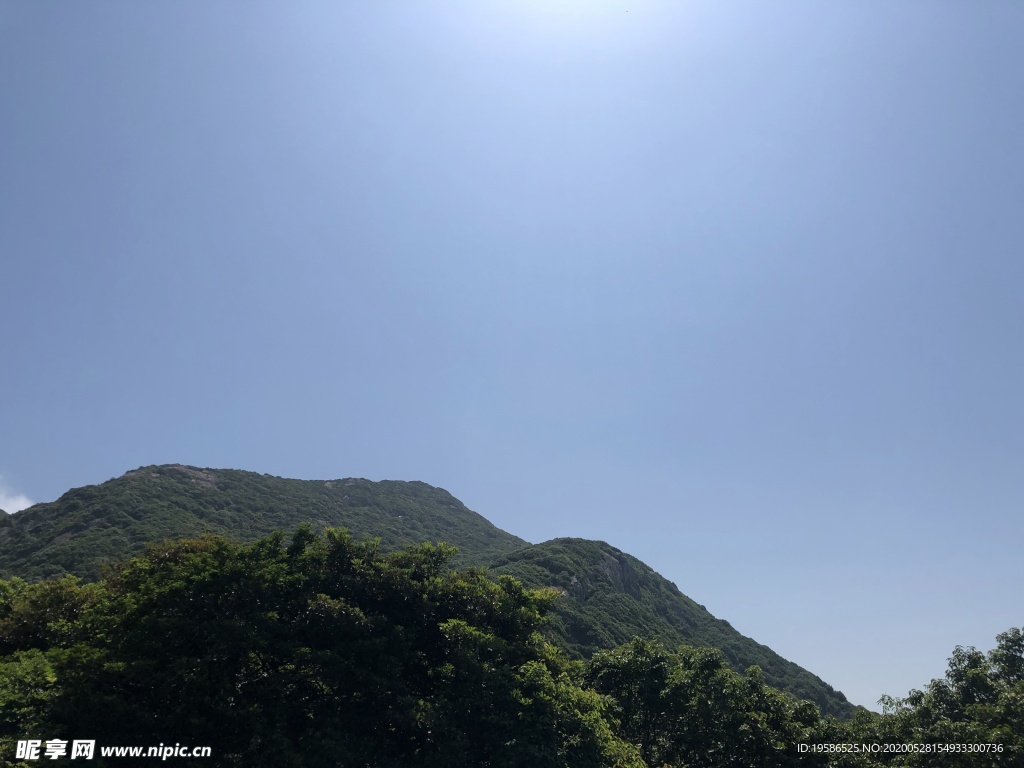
112	521
610	597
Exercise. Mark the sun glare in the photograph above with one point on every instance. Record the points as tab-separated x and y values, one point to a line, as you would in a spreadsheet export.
583	22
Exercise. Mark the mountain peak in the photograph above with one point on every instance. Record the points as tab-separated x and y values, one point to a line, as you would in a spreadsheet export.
94	524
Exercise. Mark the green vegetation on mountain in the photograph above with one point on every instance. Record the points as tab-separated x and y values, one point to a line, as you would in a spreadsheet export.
609	597
322	652
687	704
97	524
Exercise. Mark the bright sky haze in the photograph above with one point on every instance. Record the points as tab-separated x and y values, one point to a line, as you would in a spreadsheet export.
736	287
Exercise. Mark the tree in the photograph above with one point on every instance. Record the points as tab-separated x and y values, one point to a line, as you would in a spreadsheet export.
689	708
320	653
980	701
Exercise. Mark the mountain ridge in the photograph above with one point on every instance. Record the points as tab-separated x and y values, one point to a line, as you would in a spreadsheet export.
94	524
608	596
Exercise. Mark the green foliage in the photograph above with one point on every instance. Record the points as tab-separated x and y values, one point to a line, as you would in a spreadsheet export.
609	597
325	652
979	701
689	708
97	524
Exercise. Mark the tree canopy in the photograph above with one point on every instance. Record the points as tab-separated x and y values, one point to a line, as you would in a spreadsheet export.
321	650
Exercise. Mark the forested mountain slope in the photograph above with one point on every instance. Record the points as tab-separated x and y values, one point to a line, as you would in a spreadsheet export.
89	526
609	597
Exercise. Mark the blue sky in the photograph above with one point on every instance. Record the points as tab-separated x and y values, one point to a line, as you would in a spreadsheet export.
736	287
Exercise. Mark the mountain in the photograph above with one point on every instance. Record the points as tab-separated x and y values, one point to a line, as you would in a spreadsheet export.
608	597
89	526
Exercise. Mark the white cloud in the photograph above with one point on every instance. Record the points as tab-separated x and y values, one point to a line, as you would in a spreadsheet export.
13	502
